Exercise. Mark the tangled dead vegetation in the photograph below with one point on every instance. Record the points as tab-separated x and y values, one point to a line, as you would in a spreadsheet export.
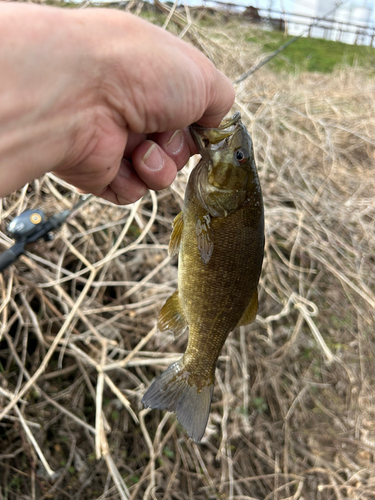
294	402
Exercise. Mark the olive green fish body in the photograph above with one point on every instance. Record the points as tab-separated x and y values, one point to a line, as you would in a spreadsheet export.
214	296
220	238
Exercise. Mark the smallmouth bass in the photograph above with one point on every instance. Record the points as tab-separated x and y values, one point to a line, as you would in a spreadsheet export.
219	235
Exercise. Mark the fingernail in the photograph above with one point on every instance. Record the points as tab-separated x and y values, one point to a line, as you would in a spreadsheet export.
175	143
153	159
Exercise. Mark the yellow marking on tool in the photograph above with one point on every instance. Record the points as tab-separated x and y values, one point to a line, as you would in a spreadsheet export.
35	218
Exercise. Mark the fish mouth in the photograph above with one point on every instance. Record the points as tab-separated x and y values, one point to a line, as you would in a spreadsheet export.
205	137
228	122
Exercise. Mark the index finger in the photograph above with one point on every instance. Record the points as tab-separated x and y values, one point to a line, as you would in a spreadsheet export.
222	95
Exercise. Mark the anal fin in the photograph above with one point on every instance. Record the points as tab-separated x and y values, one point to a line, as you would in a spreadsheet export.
171	316
251	311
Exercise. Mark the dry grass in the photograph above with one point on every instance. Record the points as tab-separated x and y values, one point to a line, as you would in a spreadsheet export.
294	402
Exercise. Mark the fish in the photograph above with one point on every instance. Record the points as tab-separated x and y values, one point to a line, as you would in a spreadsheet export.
219	236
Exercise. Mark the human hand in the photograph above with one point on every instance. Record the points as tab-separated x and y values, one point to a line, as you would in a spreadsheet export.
109	100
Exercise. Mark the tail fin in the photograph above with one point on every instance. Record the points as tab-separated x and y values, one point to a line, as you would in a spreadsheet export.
172	391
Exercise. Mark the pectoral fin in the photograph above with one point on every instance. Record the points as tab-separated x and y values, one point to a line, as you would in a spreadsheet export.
250	314
175	239
171	316
205	237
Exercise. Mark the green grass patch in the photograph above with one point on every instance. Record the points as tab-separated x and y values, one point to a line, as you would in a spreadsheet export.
311	54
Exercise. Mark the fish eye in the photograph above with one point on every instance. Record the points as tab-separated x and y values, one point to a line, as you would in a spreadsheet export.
241	156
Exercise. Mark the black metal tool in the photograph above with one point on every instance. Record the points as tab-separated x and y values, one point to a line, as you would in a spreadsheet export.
32	225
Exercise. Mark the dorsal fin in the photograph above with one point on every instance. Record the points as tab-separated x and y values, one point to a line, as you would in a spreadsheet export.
251	311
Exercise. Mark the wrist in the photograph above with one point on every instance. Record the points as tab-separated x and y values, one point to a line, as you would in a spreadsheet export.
47	83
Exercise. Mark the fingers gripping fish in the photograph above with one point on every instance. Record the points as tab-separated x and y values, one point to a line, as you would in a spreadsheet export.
220	239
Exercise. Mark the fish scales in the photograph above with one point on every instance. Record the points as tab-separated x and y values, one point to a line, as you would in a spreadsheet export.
229	270
220	238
